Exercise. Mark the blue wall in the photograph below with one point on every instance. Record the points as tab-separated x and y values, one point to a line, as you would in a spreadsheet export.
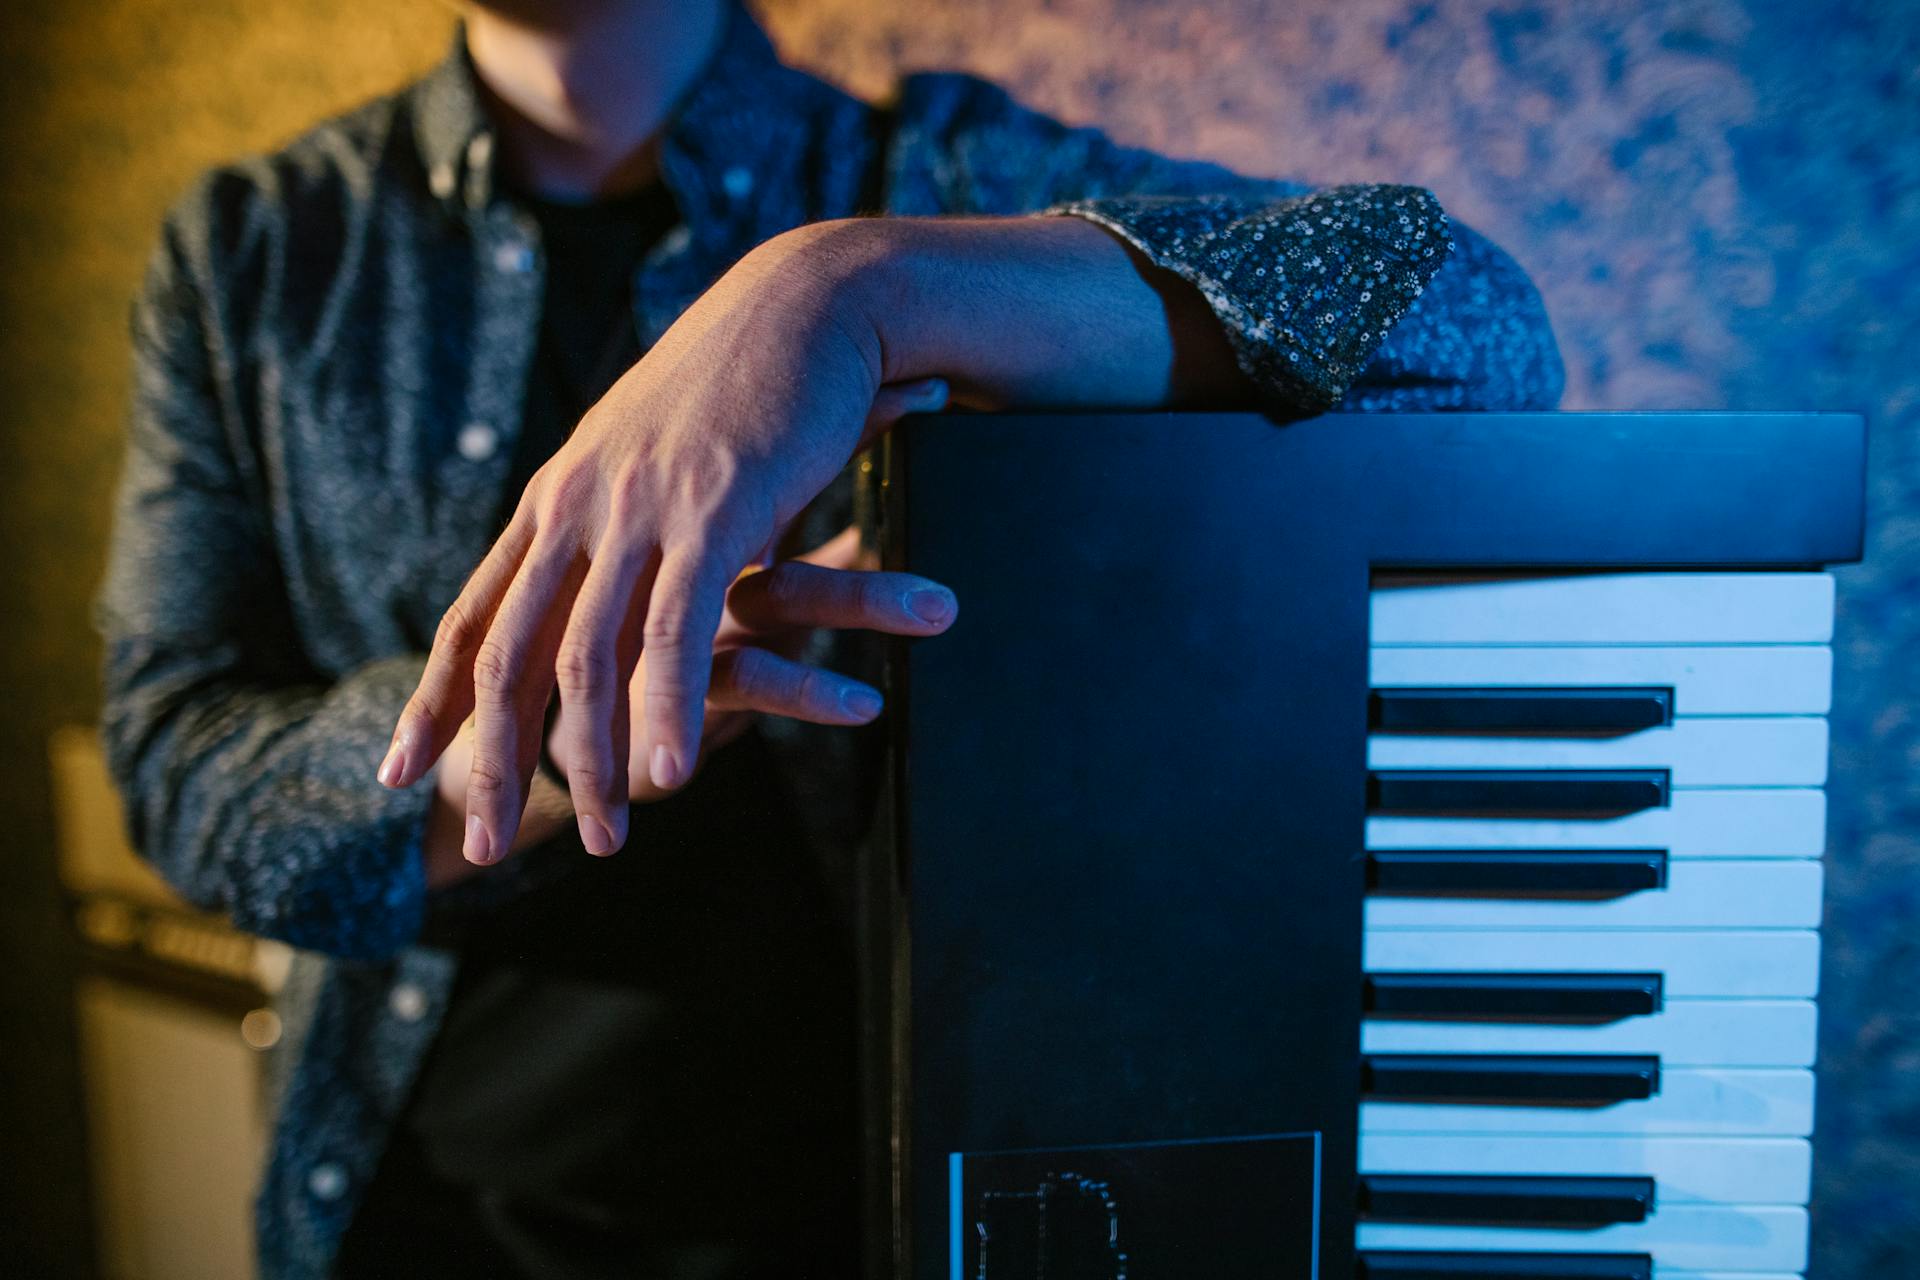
1721	202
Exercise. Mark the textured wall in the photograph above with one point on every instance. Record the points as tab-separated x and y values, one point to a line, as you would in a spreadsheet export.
107	109
1721	201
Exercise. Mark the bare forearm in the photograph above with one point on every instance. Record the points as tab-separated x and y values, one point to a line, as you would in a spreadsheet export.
1034	312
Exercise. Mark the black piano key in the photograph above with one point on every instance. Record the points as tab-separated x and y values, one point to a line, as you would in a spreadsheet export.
1587	997
1487	710
1521	1079
1408	1264
1572	792
1505	1200
1585	872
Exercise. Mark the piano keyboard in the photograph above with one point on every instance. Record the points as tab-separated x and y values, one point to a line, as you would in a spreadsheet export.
1593	837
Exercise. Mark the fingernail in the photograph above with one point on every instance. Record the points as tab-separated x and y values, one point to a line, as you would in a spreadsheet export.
663	768
930	604
933	394
477	847
392	767
594	835
860	701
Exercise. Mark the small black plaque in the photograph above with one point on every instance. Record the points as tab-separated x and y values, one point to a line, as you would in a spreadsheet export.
1193	1210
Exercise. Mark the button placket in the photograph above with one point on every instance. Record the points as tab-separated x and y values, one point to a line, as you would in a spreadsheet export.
507	308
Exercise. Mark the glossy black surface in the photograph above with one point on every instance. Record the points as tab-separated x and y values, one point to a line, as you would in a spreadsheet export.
1539	1201
1569	1079
1121	896
1514	792
1584	997
1501	872
1531	710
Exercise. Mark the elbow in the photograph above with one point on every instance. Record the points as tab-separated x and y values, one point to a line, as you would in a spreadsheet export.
303	859
1517	364
303	866
161	813
1537	376
1477	339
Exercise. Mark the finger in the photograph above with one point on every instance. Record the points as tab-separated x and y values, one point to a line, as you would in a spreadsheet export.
444	697
512	680
844	550
896	400
683	614
750	679
592	667
794	594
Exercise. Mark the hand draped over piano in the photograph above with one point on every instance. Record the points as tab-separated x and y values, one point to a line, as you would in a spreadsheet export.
711	445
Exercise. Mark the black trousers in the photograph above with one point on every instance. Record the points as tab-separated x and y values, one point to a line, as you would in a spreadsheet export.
417	1225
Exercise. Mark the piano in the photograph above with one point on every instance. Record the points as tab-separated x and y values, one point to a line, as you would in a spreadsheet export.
1368	846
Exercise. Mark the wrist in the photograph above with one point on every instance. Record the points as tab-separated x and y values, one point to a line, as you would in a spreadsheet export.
852	274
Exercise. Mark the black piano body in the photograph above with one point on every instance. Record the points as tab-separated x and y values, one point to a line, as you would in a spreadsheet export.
1113	933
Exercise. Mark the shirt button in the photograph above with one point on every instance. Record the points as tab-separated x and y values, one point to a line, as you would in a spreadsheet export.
737	181
407	1002
513	257
477	441
327	1181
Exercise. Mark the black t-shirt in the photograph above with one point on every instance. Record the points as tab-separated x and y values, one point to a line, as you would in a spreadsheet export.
647	1065
587	336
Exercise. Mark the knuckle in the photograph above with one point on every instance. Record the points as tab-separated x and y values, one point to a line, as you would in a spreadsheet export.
788	585
874	596
701	482
813	691
493	670
419	712
590	777
488	779
665	632
753	676
584	672
630	496
458	632
570	492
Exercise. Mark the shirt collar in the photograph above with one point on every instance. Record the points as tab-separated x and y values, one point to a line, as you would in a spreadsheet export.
722	147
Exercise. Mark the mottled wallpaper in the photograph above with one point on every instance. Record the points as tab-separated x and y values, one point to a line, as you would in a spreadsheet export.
1720	200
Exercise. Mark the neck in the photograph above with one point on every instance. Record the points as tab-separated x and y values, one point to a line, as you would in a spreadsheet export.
580	91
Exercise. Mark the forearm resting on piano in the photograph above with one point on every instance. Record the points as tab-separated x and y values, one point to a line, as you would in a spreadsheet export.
1033	312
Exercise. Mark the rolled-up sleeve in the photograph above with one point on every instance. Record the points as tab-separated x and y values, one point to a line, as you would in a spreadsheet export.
1365	296
247	777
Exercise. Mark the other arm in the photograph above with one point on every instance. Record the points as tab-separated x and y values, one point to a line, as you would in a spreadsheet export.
242	769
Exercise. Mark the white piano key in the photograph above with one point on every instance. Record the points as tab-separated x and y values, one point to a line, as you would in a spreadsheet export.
1710	823
1724	680
1685	1170
1723	1237
1608	608
1686	1033
1721	963
1711	751
1693	1101
1668	1273
1723	894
